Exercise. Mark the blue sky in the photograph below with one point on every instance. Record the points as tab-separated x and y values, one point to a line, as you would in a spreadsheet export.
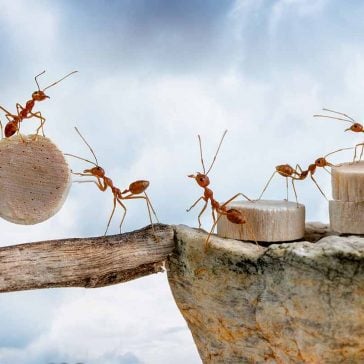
153	75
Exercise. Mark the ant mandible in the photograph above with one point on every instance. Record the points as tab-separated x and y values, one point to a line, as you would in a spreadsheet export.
355	127
298	174
202	179
26	112
103	182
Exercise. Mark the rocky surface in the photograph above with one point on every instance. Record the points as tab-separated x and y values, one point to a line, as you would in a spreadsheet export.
300	302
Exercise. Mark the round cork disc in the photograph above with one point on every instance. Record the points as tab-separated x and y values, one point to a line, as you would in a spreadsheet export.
266	221
34	179
348	182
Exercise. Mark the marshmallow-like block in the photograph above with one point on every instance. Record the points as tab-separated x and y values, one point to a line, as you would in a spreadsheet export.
34	179
347	217
348	182
266	221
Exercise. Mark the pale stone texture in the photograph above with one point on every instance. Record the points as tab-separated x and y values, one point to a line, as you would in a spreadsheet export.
266	220
34	179
298	302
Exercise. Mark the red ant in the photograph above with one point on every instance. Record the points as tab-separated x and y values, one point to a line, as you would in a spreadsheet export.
355	127
103	182
297	173
26	112
233	215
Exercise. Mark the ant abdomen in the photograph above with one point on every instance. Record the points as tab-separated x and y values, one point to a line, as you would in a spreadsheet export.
138	187
235	216
10	128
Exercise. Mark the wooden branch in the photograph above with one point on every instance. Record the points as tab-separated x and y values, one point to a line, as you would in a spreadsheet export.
86	262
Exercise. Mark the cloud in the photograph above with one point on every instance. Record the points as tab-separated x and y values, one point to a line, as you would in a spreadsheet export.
153	75
99	326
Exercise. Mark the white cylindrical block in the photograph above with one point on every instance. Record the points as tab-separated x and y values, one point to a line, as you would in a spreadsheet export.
347	217
267	221
348	182
34	179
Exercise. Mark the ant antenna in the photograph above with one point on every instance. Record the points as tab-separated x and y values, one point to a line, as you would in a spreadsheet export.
54	83
218	148
36	81
83	159
93	153
348	118
339	150
203	165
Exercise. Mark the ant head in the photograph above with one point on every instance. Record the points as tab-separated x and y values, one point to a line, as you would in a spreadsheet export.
356	127
96	171
39	95
201	179
322	162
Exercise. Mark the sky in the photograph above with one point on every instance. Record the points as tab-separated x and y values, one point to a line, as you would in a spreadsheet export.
152	76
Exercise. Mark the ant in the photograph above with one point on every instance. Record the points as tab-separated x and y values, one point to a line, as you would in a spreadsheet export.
202	179
103	182
355	127
299	174
26	112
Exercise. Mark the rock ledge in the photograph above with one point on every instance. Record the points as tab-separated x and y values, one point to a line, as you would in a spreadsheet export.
300	302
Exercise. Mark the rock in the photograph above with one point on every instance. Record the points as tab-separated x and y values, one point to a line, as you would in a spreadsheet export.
299	302
34	179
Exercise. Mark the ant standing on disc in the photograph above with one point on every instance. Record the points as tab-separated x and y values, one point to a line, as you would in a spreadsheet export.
26	112
297	173
202	179
355	127
103	182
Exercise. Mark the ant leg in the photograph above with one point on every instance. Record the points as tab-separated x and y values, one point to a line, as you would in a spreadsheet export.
194	204
19	108
313	179
213	215
294	190
147	199
199	216
42	121
82	174
250	227
212	229
298	167
362	152
266	186
2	130
287	187
112	213
234	197
124	208
5	111
327	170
98	183
151	206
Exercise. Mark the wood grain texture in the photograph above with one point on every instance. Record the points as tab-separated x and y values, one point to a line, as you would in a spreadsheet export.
269	220
34	179
348	182
347	217
86	262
